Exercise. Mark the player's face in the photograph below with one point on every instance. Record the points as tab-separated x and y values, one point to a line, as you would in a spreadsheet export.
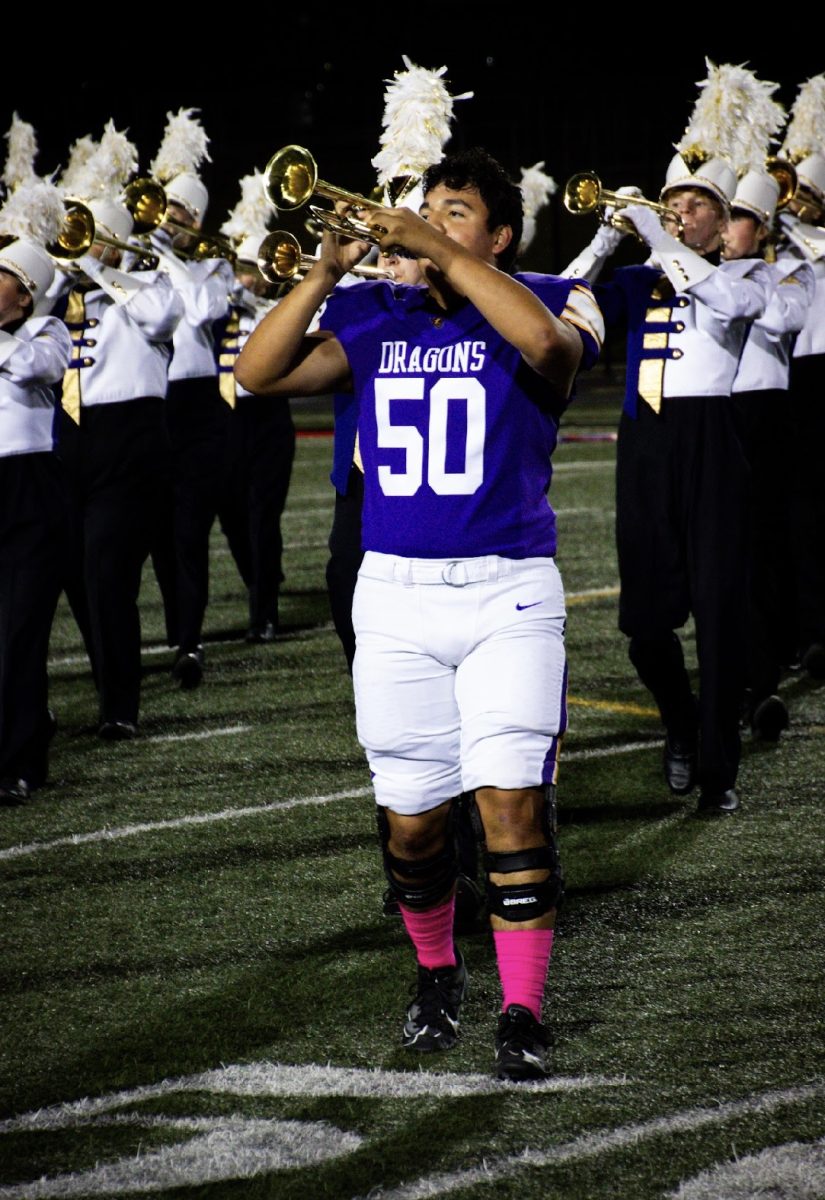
15	301
462	215
742	237
702	217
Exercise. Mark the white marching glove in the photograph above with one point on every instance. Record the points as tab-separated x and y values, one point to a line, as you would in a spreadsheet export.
683	266
650	227
606	240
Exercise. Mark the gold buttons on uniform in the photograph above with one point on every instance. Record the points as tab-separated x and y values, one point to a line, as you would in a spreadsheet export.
88	362
678	353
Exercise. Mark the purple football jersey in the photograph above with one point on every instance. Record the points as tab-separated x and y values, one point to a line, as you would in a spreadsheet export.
455	430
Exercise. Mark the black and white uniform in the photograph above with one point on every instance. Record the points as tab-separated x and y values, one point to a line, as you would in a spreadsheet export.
198	423
114	444
682	492
760	395
32	538
261	452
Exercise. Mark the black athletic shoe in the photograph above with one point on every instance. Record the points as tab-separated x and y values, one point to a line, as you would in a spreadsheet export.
521	1045
680	762
769	718
432	1018
188	669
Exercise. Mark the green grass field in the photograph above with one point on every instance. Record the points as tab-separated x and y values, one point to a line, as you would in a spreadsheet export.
202	997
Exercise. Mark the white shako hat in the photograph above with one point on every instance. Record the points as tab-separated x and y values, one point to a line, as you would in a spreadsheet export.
804	142
757	193
183	148
811	174
31	216
418	110
190	192
111	218
31	264
248	223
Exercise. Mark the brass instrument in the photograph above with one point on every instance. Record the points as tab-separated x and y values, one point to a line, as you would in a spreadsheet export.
280	257
291	179
147	201
583	193
783	172
78	234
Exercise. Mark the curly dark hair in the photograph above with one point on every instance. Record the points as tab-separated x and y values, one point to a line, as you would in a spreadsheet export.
477	169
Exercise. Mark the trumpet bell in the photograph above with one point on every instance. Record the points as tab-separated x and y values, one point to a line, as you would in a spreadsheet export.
279	256
582	193
783	172
76	234
290	177
146	201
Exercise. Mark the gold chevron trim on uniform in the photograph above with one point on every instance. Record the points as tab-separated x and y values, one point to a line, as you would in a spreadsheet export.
581	324
76	315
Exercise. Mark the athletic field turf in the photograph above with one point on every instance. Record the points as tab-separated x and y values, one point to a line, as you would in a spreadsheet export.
202	997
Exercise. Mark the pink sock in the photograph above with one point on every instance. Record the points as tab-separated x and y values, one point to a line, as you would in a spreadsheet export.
432	934
523	957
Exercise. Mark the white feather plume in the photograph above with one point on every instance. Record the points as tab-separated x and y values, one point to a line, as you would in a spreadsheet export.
734	117
183	148
21	153
806	129
107	168
251	214
418	110
79	155
34	210
536	189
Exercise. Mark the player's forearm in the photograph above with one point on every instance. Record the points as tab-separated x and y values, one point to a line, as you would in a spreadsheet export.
274	347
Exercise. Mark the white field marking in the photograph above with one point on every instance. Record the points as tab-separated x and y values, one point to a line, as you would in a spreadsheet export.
581	512
225	814
591	1145
795	1171
608	751
584	464
586	594
197	737
274	1080
115	833
224	1149
299	635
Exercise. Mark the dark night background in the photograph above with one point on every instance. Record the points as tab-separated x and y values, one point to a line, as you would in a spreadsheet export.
590	97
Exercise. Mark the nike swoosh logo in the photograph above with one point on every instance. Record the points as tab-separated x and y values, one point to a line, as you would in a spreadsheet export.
521	607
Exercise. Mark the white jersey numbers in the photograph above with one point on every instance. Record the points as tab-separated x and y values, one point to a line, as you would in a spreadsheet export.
394	436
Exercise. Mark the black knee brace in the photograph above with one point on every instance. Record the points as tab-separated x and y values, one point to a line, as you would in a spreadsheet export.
430	878
525	901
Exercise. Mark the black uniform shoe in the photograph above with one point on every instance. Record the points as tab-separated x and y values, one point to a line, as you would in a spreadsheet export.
718	802
680	766
769	718
258	635
117	731
521	1045
188	669
432	1018
14	792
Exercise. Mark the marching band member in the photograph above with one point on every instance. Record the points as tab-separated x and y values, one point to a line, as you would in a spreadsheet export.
760	394
261	430
681	473
196	412
802	225
34	351
113	437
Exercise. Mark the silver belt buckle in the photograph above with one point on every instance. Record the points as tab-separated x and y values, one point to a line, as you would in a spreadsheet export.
447	574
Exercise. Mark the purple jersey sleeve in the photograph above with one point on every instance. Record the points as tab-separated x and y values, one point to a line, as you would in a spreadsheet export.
455	429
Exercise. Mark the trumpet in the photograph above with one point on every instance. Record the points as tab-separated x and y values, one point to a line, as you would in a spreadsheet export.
78	234
291	179
147	201
583	193
280	257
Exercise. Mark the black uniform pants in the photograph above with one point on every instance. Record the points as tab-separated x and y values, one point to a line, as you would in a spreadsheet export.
116	469
198	422
261	452
682	537
807	393
763	419
32	543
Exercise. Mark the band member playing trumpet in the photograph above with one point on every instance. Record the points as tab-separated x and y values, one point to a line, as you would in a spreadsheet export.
459	612
681	474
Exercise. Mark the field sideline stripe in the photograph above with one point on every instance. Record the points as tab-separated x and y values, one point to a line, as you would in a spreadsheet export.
197	737
22	850
590	1145
74	660
618	706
